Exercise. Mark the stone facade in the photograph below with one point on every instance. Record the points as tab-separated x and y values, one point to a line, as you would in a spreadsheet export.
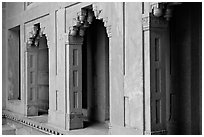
126	86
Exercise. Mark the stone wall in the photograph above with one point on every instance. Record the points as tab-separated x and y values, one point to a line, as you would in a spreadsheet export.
124	31
4	62
133	91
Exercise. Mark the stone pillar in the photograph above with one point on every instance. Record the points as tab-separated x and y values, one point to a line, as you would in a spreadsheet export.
74	82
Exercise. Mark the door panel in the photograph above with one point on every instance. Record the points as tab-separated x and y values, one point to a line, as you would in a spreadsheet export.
158	80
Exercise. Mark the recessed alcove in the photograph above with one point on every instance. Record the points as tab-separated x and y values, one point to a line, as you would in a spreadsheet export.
14	69
95	73
38	73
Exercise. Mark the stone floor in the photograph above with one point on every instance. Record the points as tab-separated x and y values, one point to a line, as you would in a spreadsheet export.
14	127
93	129
38	125
8	130
40	119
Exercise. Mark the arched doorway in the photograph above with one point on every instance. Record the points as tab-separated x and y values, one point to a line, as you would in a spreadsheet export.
95	73
88	48
38	74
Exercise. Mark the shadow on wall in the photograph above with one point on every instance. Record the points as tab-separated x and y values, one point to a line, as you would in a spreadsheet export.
185	29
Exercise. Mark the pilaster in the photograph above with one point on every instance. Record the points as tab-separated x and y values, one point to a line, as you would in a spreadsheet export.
74	118
153	28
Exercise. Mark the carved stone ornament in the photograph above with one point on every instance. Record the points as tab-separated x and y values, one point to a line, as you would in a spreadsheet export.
97	11
73	31
84	19
34	35
81	22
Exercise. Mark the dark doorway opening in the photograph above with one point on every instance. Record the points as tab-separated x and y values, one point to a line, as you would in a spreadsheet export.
95	74
185	70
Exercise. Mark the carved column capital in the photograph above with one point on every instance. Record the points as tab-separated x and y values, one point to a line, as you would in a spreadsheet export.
149	22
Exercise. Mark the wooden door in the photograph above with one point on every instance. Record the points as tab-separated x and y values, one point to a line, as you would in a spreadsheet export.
158	80
32	108
75	85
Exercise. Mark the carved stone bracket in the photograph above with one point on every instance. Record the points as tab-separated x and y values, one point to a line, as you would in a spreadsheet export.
34	36
34	32
81	22
83	19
